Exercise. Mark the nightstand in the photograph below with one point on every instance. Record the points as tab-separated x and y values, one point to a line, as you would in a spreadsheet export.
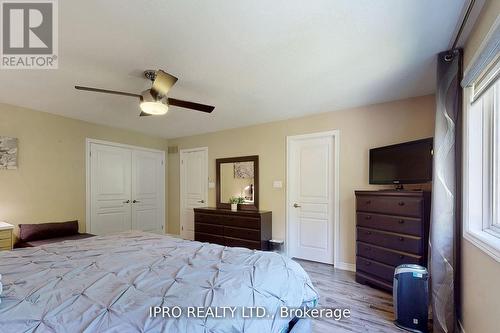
6	237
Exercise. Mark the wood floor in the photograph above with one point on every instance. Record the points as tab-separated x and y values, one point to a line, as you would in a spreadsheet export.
371	309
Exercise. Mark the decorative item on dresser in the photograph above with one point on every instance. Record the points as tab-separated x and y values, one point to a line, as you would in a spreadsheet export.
6	236
250	229
392	229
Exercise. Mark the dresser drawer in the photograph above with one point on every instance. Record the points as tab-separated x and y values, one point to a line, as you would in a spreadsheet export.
386	256
402	206
382	271
236	242
234	221
394	241
209	228
5	234
403	225
242	222
363	278
250	234
6	243
208	218
208	238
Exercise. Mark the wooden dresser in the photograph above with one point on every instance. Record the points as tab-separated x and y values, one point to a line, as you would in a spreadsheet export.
6	236
250	229
392	229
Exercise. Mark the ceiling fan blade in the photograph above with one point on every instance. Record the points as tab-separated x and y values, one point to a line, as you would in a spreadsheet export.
163	82
105	91
190	105
144	114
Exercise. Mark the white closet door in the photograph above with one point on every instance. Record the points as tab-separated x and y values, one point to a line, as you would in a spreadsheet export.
194	187
110	186
310	197
147	191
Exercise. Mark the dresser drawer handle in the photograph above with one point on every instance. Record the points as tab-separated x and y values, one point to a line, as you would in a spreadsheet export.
401	221
368	248
368	217
367	263
401	203
368	232
368	202
401	238
401	256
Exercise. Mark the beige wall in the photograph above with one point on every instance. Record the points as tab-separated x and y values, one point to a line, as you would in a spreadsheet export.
480	272
49	184
360	129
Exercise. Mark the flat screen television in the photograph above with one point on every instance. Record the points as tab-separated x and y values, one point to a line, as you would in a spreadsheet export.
404	163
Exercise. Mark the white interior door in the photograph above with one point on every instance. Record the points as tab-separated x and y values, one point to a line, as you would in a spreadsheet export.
194	187
148	201
110	186
311	183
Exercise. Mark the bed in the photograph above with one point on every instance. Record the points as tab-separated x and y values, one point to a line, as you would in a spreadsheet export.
111	284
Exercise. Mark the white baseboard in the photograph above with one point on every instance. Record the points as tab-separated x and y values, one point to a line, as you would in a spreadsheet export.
345	266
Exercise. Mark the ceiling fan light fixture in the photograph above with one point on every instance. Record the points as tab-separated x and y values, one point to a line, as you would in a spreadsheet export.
154	108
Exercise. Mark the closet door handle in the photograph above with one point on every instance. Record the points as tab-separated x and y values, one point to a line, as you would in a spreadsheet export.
135	201
128	201
201	201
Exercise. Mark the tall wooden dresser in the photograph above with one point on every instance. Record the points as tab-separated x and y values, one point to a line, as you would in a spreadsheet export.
243	228
392	229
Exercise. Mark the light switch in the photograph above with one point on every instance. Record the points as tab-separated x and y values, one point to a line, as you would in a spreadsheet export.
277	184
211	185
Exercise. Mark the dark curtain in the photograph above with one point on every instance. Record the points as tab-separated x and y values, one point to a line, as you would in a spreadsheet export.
445	229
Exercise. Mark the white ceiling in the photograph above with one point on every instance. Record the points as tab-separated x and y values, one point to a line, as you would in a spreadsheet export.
255	60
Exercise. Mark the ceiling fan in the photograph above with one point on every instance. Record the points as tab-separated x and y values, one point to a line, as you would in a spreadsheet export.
154	101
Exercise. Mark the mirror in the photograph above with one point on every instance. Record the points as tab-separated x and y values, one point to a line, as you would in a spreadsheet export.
237	177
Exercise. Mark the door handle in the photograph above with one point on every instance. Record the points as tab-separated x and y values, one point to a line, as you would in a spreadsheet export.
296	205
201	201
135	201
128	201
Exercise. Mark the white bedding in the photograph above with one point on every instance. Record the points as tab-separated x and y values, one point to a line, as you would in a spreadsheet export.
109	284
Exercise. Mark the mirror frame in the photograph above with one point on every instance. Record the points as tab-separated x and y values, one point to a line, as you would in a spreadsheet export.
255	160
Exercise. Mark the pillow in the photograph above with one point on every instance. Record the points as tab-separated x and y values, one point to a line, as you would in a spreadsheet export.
33	232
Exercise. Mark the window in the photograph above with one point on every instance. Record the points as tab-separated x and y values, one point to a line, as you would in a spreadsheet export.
482	161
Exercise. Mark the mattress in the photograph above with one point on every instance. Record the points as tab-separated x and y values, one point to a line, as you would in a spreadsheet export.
115	283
